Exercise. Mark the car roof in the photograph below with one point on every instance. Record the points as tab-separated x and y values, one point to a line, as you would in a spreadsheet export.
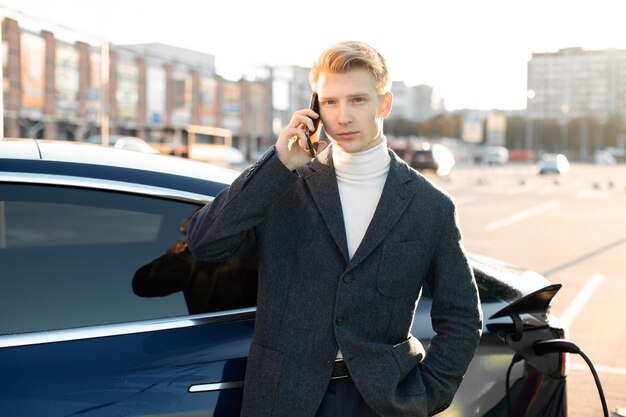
109	163
88	153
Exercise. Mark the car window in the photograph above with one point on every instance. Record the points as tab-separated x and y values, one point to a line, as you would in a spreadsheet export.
75	257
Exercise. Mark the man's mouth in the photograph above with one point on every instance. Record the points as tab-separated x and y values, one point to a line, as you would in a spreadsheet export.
346	135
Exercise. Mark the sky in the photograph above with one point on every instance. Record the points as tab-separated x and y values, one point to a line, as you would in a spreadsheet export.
473	52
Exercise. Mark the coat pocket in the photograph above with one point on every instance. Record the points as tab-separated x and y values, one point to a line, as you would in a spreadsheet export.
403	268
408	355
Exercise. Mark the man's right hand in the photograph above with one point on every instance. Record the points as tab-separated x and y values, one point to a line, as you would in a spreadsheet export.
291	142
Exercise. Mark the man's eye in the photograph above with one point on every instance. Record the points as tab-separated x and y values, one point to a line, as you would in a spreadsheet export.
359	99
328	102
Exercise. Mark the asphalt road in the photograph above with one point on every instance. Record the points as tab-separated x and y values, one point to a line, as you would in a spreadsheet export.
571	228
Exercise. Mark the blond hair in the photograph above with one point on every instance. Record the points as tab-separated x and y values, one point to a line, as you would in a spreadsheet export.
350	55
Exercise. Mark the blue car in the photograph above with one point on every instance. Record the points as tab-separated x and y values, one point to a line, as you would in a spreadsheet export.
105	312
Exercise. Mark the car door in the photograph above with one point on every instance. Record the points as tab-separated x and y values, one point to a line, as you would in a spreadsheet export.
75	336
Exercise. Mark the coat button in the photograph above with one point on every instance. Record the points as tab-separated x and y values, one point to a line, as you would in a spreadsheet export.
338	320
347	279
328	364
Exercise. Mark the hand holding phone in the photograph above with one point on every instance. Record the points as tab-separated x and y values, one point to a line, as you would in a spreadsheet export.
296	144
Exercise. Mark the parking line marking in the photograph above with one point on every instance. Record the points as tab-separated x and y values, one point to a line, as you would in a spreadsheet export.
613	370
522	215
581	299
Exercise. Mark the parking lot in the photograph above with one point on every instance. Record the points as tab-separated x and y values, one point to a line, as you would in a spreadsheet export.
572	229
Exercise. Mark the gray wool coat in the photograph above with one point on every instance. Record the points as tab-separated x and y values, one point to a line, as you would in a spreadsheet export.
312	299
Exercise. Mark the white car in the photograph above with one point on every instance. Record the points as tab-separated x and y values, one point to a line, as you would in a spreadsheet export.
604	158
496	155
553	163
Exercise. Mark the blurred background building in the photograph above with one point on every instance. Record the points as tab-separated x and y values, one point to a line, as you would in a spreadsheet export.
71	91
575	83
584	93
418	103
73	88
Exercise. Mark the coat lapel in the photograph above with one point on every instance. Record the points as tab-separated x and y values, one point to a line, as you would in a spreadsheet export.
319	177
393	202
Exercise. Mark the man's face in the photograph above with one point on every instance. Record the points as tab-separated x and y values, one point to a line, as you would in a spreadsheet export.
351	109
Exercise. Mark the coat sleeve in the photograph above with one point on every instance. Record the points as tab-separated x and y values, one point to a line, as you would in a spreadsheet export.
163	276
225	227
456	316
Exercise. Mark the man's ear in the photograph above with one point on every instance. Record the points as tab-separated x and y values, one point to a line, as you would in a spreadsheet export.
385	104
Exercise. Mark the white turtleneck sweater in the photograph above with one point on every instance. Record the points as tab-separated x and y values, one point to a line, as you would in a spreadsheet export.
361	177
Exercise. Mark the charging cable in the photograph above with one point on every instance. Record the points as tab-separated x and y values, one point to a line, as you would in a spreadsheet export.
542	347
516	358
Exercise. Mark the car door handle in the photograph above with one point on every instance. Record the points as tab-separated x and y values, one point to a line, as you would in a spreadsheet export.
215	386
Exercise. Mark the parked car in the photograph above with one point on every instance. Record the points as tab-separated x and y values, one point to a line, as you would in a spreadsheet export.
130	143
496	155
604	157
85	331
432	157
553	163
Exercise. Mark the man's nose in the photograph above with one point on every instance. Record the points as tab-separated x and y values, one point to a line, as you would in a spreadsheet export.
344	114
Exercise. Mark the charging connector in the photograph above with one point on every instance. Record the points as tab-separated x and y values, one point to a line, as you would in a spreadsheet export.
543	347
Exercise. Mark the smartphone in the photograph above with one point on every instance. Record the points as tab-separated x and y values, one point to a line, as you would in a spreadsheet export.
315	106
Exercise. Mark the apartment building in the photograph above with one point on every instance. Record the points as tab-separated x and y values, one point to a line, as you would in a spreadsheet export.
58	89
416	103
576	83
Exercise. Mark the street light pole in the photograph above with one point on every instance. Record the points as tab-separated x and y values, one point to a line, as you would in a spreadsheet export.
564	110
584	138
529	137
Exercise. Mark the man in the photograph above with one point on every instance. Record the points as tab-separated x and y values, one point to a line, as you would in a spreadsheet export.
345	243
